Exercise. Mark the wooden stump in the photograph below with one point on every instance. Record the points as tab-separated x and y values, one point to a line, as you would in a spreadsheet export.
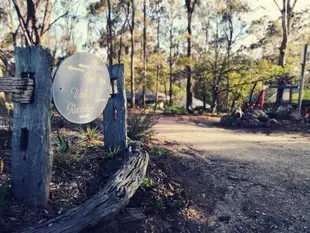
115	113
31	150
107	203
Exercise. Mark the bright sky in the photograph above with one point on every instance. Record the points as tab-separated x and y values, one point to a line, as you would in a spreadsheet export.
268	7
263	7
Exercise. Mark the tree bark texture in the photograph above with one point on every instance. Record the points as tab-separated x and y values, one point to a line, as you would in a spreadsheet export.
189	94
109	22
132	62
190	6
170	65
115	113
124	220
106	203
20	87
157	66
229	46
31	147
214	102
286	17
144	52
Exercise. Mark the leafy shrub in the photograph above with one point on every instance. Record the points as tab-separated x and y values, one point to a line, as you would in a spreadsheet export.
63	154
90	137
63	143
89	133
147	184
175	110
140	126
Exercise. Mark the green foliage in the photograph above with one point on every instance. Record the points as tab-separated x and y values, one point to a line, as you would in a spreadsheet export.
62	155
175	110
90	137
140	126
112	152
90	133
147	184
160	151
63	143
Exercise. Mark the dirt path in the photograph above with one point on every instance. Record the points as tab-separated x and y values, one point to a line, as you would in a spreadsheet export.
243	182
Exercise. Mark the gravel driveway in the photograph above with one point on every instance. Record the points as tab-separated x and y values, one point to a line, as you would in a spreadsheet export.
244	182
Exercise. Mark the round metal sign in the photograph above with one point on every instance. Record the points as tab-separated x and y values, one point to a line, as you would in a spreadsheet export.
81	88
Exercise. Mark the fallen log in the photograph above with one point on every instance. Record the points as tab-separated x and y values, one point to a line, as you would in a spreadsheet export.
126	219
105	204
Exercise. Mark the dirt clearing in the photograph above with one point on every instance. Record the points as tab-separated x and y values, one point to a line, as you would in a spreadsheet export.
242	182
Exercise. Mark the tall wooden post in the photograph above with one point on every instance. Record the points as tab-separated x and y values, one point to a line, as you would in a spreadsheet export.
31	148
115	113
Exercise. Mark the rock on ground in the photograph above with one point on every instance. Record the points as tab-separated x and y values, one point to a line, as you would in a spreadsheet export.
227	120
295	116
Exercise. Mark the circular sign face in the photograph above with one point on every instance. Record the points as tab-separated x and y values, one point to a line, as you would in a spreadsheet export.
81	88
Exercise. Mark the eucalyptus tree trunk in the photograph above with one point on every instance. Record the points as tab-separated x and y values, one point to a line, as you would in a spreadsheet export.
189	94
190	6
287	11
132	72
229	46
170	65
109	22
157	67
144	52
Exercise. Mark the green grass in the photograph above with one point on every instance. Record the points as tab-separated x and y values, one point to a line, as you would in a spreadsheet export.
305	96
175	110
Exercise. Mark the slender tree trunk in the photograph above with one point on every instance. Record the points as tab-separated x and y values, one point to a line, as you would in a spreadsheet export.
157	87
204	97
109	22
121	39
120	49
132	75
234	100
157	67
282	50
252	91
144	52
230	41
166	93
214	102
189	94
286	16
170	65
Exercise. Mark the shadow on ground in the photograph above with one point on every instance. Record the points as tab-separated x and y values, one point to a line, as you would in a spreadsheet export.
228	195
291	128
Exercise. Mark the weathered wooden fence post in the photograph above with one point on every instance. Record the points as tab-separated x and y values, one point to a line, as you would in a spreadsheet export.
31	148
115	113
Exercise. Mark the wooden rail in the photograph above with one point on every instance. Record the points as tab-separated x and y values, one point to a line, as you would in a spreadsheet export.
20	87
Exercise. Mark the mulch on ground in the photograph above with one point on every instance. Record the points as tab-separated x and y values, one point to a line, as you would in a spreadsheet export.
84	169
